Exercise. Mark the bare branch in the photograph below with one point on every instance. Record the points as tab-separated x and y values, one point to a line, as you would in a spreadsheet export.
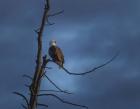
27	76
36	31
51	15
23	106
63	101
49	23
90	71
26	100
27	85
52	82
55	91
44	105
57	13
56	85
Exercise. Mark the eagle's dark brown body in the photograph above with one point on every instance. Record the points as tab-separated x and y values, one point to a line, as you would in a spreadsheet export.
56	55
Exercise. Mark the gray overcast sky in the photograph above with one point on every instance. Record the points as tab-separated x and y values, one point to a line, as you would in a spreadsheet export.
89	33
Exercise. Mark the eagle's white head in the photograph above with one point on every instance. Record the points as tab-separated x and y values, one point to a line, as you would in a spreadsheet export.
52	43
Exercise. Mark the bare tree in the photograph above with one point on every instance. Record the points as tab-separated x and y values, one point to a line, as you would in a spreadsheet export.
41	67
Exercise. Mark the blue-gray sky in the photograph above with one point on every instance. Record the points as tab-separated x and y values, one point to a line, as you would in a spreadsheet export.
89	33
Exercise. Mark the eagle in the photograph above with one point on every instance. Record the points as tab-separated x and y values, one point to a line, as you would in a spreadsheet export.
56	53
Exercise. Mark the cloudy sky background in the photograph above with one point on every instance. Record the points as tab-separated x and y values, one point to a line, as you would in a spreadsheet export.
89	32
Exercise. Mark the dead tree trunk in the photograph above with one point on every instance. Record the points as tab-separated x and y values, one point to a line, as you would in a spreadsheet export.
40	64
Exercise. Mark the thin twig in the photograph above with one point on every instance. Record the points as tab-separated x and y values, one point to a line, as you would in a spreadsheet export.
55	85
57	13
54	91
44	105
49	23
63	101
26	100
36	31
27	76
27	85
23	106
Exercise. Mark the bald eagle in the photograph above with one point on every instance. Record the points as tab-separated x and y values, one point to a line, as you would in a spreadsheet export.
56	53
